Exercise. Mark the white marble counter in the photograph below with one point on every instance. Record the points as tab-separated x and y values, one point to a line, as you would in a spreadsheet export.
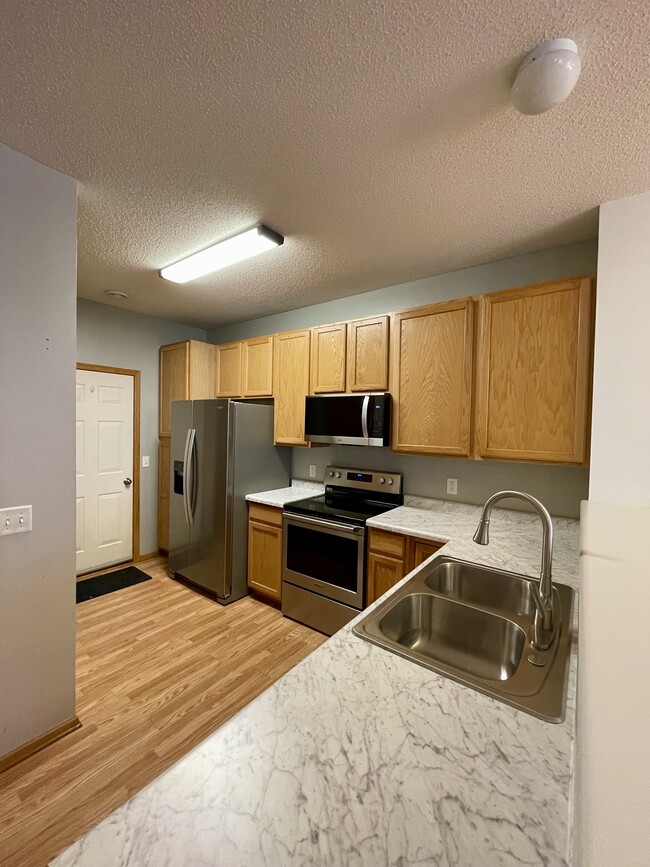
358	757
299	490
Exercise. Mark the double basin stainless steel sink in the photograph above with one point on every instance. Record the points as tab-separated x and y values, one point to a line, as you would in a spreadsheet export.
473	624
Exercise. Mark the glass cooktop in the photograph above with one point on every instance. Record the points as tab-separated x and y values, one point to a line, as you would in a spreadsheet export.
341	508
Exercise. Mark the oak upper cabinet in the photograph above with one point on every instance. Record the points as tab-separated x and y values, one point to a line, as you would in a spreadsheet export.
174	383
291	386
186	373
534	356
367	368
229	369
431	378
328	356
265	550
257	367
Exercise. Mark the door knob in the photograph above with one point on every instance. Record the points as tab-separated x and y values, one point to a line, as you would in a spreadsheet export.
128	482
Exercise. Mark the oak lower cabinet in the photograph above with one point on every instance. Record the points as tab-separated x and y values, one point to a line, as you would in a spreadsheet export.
367	365
534	357
382	574
187	372
265	550
291	386
391	556
431	378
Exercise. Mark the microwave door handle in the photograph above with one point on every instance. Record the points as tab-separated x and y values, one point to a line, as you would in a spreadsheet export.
364	416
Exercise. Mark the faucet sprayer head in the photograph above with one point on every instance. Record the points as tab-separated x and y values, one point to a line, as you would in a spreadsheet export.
482	535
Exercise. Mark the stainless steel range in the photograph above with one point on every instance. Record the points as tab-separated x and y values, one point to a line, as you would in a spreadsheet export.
324	546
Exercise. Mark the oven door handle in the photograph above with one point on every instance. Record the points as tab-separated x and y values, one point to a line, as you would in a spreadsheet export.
364	416
317	522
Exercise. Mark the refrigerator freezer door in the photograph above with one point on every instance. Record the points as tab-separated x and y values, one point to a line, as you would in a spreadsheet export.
208	468
179	527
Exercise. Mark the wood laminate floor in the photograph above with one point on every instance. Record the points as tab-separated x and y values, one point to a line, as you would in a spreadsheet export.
159	667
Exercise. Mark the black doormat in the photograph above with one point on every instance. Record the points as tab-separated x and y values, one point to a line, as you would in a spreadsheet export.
91	588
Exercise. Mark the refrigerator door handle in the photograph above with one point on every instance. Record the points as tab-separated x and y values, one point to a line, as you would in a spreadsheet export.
190	476
185	478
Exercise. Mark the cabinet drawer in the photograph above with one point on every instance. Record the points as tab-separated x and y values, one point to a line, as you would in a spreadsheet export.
266	514
392	544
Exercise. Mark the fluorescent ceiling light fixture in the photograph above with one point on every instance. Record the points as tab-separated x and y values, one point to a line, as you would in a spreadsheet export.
223	254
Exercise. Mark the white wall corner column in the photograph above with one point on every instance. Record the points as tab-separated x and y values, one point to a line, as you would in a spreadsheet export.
613	760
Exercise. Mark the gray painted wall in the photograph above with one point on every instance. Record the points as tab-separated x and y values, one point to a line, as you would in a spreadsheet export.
560	488
553	264
38	238
113	337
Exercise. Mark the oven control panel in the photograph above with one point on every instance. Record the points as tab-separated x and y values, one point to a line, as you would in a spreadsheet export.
363	480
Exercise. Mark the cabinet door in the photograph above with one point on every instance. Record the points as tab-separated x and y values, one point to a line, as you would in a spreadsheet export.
368	354
265	559
291	386
202	370
422	551
229	370
383	573
533	372
431	378
328	349
174	382
163	493
257	367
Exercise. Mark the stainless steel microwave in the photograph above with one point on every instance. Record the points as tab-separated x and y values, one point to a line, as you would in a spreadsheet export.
348	419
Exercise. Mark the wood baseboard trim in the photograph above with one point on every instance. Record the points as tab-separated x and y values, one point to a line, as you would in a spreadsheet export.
148	556
39	743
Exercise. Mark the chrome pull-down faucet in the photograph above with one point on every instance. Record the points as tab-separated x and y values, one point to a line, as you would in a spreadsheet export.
544	624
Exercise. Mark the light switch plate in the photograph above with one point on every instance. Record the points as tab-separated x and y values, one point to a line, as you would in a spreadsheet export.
15	519
312	471
145	460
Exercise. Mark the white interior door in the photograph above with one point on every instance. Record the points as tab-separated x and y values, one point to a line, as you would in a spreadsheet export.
104	469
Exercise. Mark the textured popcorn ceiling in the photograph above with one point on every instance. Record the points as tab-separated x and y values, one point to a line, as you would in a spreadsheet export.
377	136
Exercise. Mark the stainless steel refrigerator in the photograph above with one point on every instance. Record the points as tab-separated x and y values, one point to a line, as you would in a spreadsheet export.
221	450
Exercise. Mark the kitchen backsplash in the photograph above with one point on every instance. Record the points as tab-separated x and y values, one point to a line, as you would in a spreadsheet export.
560	488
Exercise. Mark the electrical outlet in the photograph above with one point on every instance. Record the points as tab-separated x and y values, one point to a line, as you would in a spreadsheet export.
145	460
452	486
17	519
312	471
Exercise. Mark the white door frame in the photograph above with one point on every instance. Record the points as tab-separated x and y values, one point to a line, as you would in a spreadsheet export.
135	529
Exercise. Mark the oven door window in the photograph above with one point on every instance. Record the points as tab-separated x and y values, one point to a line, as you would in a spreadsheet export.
324	556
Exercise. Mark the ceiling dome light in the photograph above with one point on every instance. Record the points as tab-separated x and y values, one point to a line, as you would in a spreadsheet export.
113	293
546	76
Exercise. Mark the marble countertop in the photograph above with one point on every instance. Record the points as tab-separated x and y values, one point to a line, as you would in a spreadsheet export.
299	490
358	757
